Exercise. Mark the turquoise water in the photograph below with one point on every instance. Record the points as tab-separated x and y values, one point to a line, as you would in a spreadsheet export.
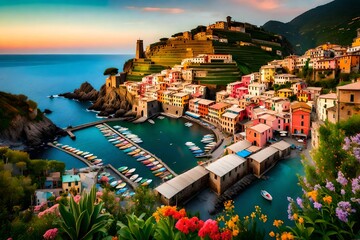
39	76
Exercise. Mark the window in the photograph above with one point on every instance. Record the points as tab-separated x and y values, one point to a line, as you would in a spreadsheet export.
349	113
69	184
76	183
254	134
302	116
223	178
229	173
302	123
351	97
215	177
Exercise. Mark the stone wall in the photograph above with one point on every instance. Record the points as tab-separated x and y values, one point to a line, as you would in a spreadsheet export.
173	110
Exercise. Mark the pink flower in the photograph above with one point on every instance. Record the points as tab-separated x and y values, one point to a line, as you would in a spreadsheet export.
50	234
52	210
117	199
77	198
99	194
104	179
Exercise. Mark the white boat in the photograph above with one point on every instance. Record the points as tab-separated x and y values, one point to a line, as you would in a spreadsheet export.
160	117
266	195
131	170
88	155
190	144
151	121
133	177
138	179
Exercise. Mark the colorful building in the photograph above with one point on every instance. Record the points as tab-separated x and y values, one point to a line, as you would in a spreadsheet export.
323	103
203	107
231	88
71	182
300	119
216	110
256	89
231	118
282	79
180	99
194	105
284	93
259	134
348	97
304	95
221	96
267	74
262	161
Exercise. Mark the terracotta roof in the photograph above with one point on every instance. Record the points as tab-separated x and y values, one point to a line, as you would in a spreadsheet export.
297	105
206	102
261	127
219	106
351	86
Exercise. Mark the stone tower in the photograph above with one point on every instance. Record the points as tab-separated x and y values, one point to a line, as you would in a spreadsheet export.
139	49
228	21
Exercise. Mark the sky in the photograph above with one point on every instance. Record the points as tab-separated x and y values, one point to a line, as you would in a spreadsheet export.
113	26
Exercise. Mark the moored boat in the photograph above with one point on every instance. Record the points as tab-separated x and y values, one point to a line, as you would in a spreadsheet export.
147	182
151	121
138	179
133	177
121	185
159	170
266	195
123	168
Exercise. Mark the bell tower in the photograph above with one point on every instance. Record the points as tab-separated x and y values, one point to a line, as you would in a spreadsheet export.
139	49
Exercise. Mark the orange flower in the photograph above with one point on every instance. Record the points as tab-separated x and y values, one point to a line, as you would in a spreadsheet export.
313	195
301	220
295	216
278	223
272	234
287	236
327	199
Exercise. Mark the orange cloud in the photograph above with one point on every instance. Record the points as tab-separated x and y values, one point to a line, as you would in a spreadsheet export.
157	9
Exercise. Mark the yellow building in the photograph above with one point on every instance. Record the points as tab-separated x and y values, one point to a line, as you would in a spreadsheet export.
267	73
168	97
180	99
285	93
216	110
71	182
348	97
160	96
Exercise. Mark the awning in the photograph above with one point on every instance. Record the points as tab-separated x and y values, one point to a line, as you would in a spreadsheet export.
283	132
243	153
191	114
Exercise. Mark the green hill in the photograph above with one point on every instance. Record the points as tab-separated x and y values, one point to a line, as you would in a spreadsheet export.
246	49
335	22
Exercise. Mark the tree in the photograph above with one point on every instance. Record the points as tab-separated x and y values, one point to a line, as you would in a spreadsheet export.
56	166
21	166
111	71
144	201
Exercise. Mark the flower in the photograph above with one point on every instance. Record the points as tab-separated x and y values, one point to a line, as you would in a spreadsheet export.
210	228
229	205
99	194
299	201
169	211
317	205
343	210
226	235
271	234
253	215
355	185
277	223
77	198
313	195
341	179
342	191
287	236
295	216
263	218
182	225
317	187
330	185
327	199
301	220
50	234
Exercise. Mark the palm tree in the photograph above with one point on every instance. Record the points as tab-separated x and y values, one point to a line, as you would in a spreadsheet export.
83	220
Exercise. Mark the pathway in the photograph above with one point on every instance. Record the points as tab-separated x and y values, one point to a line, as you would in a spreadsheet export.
71	153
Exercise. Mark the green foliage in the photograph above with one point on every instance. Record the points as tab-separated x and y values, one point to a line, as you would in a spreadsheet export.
55	166
84	220
144	201
111	71
351	126
137	228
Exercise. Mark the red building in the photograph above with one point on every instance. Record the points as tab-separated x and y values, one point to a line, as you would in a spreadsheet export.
300	119
259	134
204	105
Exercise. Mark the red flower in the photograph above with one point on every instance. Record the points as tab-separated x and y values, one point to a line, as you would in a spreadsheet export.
210	228
183	225
226	235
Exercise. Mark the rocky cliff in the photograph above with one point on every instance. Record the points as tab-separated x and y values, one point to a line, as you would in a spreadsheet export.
22	124
108	101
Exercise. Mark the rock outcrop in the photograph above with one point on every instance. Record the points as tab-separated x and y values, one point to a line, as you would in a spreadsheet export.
26	133
113	101
86	92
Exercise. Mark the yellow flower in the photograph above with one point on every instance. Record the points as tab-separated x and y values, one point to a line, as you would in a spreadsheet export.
313	195
156	216
301	220
246	218
252	215
327	199
295	216
263	218
271	234
230	224
287	236
229	205
278	223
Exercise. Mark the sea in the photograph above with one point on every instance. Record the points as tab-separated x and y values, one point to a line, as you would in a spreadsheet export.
40	76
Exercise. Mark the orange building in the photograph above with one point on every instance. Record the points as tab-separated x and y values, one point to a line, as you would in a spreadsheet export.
300	119
348	97
348	63
204	105
259	134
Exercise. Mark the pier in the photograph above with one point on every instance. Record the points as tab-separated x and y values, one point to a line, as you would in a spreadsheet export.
72	154
125	179
152	155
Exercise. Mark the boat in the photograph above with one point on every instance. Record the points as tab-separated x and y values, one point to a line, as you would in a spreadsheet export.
121	185
131	170
114	183
118	192
158	174
134	152
125	146
138	179
88	155
194	148
92	157
116	126
159	170
130	149
112	139
143	180
140	159
133	177
79	152
84	153
123	168
138	141
147	182
266	195
99	164
116	142
156	167
190	144
148	161
197	151
151	121
168	177
160	117
97	161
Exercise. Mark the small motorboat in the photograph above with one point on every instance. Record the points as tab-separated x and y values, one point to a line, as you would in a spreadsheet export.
138	179
123	168
151	121
266	195
190	144
121	185
147	182
133	177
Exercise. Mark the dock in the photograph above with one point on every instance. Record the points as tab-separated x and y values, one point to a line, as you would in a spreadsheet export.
125	179
72	154
152	155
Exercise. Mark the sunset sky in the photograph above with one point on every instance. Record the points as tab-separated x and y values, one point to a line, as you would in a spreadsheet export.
112	26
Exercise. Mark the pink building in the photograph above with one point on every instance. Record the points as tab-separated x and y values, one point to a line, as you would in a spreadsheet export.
240	92
249	108
259	134
149	79
232	87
